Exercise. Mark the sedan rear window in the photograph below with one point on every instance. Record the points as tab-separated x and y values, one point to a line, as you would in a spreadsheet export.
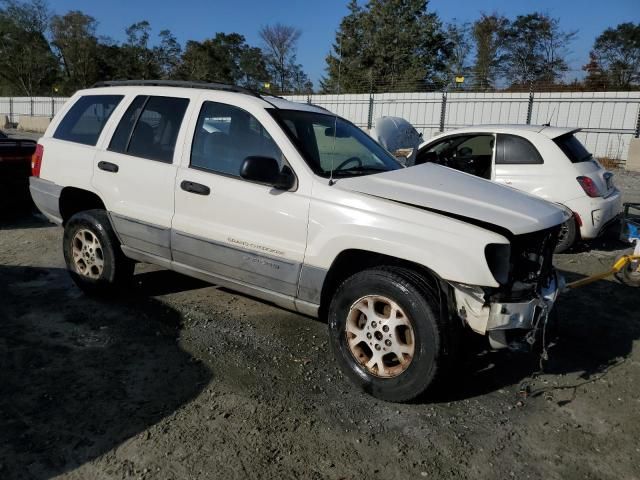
573	148
85	120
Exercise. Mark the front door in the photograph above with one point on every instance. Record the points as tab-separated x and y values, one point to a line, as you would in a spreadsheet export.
228	227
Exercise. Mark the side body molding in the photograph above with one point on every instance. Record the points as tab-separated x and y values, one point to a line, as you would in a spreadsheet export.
142	236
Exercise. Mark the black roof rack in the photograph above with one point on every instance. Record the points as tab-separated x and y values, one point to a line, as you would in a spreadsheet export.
177	83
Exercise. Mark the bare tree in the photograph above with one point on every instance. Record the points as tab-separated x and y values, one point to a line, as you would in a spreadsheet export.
280	45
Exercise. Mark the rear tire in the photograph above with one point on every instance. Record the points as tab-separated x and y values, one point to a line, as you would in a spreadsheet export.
386	333
567	237
93	255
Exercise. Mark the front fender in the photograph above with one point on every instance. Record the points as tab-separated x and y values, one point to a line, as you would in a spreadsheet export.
451	248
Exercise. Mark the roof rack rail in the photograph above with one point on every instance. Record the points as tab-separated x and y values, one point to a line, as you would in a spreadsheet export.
176	83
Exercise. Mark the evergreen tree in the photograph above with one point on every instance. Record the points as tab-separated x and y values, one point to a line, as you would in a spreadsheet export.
74	39
27	64
487	33
389	45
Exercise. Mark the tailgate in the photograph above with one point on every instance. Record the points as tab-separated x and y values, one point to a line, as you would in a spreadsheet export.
584	163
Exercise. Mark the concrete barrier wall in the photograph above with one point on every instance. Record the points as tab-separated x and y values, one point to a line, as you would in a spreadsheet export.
28	123
633	160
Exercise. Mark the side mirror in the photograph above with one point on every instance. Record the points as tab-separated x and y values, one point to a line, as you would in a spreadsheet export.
427	157
266	170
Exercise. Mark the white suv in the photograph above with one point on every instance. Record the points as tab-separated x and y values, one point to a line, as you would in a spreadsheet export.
291	204
549	162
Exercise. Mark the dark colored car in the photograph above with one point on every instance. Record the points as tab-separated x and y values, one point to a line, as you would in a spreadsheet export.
15	168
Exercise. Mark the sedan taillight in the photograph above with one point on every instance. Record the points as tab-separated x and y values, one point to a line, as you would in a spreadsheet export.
36	160
589	186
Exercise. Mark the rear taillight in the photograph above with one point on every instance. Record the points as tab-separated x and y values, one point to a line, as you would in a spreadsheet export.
589	186
36	160
578	219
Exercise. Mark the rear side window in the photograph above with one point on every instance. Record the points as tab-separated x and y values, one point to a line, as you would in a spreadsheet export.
85	120
514	150
149	128
120	138
573	148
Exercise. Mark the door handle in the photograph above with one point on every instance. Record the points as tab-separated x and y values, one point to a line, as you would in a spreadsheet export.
108	167
194	187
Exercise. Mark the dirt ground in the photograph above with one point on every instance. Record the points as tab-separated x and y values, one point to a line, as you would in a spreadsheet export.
183	380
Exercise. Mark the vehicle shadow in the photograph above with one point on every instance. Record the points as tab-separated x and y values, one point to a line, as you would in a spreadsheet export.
608	241
163	282
597	325
18	213
80	375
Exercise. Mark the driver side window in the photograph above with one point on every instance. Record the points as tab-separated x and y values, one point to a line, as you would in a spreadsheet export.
468	153
225	135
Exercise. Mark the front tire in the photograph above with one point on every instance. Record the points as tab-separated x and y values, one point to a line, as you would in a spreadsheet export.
386	333
93	255
567	236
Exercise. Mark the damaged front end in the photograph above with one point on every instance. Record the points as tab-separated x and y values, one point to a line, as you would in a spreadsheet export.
516	313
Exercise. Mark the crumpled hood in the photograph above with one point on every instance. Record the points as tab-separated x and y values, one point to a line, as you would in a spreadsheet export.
449	191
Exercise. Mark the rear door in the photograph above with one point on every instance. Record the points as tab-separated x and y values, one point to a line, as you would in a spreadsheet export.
135	171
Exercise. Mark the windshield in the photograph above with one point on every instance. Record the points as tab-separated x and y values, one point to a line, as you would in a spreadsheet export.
327	142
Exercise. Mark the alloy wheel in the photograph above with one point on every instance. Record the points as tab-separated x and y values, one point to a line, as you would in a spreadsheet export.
88	256
380	336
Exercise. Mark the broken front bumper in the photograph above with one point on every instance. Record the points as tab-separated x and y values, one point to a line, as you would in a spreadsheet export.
523	315
496	318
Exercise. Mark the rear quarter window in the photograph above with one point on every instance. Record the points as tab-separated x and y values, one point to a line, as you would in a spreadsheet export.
85	120
516	150
573	148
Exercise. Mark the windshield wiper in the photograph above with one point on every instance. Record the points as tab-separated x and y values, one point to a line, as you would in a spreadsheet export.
357	170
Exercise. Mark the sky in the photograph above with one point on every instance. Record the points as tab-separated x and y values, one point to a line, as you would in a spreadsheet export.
318	20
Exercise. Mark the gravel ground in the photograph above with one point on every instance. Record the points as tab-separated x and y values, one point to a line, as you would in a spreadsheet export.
183	380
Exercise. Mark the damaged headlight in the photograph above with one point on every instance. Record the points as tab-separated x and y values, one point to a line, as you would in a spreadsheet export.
498	259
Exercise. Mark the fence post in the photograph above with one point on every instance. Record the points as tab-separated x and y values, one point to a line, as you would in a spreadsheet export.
370	114
31	106
530	108
443	110
11	109
53	107
637	132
